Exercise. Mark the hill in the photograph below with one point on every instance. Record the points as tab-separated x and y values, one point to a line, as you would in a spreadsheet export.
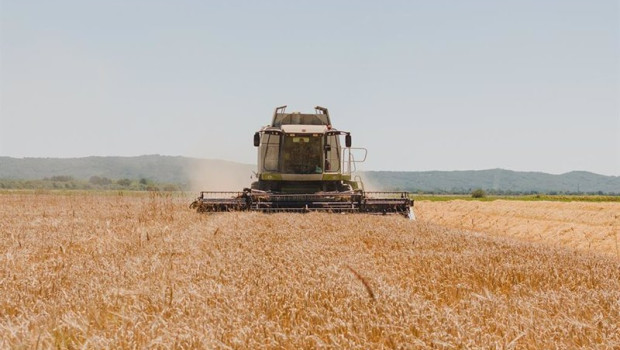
209	174
494	180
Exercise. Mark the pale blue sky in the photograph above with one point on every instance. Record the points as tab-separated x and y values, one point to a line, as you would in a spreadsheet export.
424	85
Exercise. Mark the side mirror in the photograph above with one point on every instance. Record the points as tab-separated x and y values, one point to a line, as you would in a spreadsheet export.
328	148
347	140
256	139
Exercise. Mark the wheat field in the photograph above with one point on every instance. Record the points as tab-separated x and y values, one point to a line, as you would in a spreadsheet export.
587	226
110	271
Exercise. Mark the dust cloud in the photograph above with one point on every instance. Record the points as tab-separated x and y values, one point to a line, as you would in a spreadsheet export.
219	175
369	184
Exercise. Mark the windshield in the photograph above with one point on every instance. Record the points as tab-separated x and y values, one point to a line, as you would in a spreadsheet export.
302	154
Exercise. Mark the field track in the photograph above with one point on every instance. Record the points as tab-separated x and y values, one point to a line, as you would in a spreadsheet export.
112	271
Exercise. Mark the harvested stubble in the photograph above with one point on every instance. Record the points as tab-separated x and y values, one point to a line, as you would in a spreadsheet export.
126	272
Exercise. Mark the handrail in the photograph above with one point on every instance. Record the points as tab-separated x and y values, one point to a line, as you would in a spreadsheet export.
349	163
275	112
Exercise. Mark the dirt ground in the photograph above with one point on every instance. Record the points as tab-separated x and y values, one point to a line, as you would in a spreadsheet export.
585	226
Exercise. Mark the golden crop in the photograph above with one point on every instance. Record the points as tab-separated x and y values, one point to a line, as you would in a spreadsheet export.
120	271
592	227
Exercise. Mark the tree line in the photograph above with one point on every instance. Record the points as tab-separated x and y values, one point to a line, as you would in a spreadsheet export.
66	182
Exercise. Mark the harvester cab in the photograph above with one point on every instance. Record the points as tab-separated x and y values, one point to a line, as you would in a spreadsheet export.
302	153
303	166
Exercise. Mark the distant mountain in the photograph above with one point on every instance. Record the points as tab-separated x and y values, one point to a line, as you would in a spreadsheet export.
207	174
196	173
498	180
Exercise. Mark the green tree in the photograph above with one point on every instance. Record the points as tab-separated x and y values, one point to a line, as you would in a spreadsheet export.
100	181
478	193
62	178
124	182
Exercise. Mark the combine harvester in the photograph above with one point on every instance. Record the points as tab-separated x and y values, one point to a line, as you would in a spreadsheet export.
303	167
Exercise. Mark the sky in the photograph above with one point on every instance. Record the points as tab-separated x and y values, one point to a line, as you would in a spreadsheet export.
525	85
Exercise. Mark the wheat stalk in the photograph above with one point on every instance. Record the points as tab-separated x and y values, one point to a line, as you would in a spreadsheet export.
371	294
